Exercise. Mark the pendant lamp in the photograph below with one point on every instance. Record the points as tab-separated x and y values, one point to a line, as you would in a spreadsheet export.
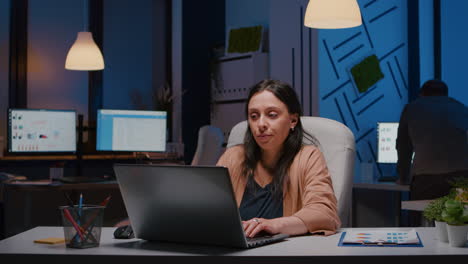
84	54
332	14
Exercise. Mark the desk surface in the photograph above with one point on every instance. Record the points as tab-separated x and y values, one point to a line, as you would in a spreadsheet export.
45	185
415	205
293	250
134	155
385	186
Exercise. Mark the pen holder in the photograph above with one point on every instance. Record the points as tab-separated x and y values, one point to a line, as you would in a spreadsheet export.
82	225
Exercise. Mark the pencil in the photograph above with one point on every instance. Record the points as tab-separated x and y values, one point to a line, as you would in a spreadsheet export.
87	228
106	201
75	225
91	219
80	205
70	201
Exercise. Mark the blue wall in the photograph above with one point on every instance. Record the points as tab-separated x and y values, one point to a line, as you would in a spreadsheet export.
4	62
246	13
426	40
383	33
454	48
128	54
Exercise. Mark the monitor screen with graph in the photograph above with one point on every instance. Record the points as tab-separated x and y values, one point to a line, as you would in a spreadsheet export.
131	130
387	133
41	130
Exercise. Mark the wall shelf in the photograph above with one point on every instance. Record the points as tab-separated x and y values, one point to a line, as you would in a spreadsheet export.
232	78
234	75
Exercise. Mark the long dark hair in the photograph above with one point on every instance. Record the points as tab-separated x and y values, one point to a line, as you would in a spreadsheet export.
291	146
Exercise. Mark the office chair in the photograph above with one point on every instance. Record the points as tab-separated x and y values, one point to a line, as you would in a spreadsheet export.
209	146
336	141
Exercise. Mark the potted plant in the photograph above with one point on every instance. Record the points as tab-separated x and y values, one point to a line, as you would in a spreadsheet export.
460	187
433	212
455	214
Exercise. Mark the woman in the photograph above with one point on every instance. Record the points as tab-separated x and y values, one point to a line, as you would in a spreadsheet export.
280	185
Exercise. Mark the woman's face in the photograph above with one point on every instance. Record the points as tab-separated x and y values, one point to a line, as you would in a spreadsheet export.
269	120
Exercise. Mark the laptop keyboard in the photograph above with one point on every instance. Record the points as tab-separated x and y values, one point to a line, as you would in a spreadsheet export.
263	240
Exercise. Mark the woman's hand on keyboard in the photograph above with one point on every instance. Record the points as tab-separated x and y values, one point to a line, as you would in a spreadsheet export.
290	225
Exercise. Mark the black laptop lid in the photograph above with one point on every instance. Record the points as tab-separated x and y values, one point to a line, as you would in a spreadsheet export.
189	204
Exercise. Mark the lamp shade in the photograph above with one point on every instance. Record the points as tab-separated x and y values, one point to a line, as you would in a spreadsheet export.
332	14
84	55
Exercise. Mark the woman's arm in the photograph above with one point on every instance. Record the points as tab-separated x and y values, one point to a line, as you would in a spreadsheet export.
319	210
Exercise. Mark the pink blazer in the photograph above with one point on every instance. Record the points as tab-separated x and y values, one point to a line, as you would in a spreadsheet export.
308	194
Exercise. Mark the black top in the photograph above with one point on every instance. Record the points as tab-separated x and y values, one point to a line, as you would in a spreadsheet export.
260	202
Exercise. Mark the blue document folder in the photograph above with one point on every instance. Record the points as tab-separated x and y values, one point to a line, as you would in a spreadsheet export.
391	242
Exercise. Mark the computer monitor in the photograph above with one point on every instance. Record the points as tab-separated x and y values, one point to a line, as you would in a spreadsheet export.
131	130
41	130
387	133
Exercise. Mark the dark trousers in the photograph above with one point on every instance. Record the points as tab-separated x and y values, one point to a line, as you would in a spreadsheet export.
428	187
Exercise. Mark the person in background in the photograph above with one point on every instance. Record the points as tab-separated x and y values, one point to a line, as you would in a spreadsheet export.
280	185
435	128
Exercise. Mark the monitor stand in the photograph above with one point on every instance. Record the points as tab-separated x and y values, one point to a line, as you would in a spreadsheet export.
388	178
388	173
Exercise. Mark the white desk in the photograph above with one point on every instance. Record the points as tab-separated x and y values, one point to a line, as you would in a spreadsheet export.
383	186
415	205
303	249
419	206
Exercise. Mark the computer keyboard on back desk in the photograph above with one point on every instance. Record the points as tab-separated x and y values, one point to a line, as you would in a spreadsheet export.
82	179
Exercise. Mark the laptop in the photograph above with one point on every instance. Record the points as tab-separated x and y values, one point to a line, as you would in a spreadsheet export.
184	204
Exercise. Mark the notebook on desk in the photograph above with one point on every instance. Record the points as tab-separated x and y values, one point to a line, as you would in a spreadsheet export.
186	204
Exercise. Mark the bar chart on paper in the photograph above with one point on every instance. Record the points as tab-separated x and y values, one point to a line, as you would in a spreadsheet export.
381	237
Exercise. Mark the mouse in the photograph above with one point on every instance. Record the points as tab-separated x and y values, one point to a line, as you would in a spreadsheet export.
124	232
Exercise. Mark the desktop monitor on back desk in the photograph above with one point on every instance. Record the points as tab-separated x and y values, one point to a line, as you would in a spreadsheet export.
387	133
41	131
387	155
131	130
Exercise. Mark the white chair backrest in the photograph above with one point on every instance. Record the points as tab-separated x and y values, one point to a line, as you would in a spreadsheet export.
336	141
209	146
